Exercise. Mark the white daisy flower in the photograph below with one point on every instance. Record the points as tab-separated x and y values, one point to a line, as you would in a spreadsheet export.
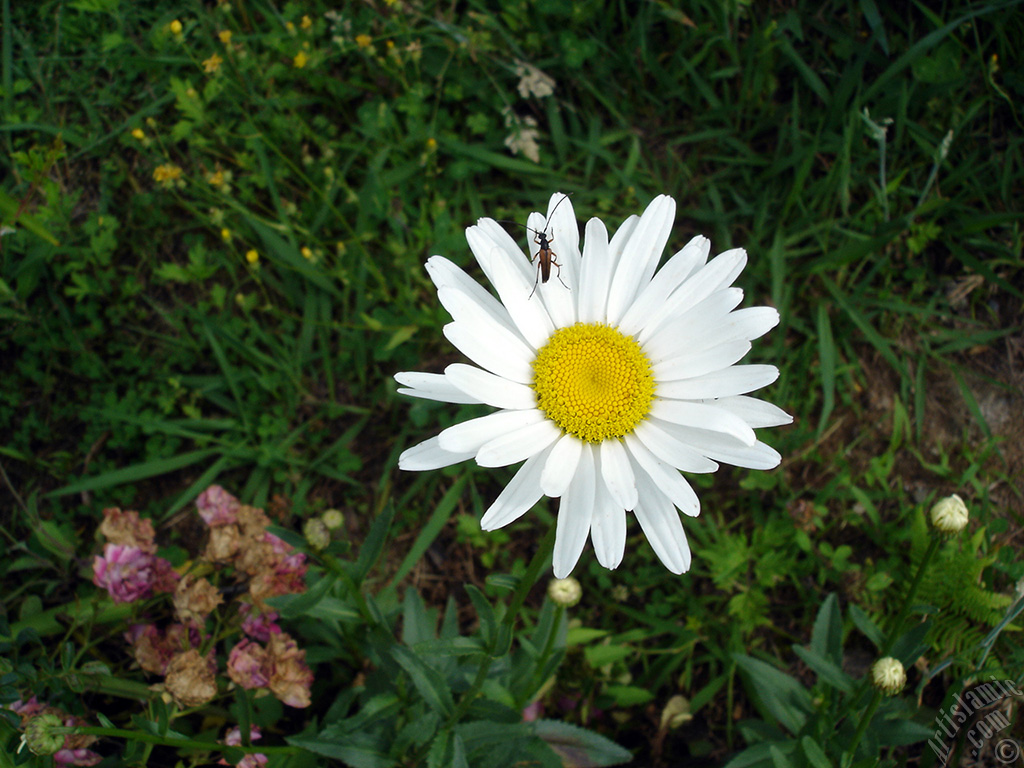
609	380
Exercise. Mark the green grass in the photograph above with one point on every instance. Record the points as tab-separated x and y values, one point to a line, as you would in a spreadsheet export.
144	357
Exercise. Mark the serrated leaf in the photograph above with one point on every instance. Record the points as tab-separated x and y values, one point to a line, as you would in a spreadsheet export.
429	684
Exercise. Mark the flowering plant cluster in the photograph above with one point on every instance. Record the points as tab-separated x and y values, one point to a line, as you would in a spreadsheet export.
239	546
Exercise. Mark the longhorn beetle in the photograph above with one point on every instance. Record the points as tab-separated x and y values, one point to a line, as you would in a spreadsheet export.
545	257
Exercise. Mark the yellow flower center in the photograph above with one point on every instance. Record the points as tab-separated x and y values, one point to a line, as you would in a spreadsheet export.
593	381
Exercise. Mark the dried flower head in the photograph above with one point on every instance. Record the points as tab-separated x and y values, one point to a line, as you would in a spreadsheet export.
191	678
128	529
290	678
195	599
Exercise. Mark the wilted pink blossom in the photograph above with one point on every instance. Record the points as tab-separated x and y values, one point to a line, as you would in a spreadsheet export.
258	625
290	677
80	756
165	578
248	665
233	738
153	649
217	506
125	572
26	709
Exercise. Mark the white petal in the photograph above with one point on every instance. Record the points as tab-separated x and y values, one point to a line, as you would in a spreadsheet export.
671	450
756	456
431	386
485	387
522	492
734	380
493	348
665	477
617	473
445	274
575	511
725	448
690	365
608	531
563	237
714	276
640	256
528	315
663	529
687	334
561	466
491	244
518	444
702	416
595	273
429	455
677	269
473	434
742	325
757	413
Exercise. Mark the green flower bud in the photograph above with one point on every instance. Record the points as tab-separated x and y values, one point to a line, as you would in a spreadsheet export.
949	515
888	675
316	533
565	592
40	736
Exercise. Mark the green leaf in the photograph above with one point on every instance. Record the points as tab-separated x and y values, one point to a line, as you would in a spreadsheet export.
826	671
827	636
815	754
579	747
485	613
628	695
429	684
373	545
355	750
780	697
599	655
867	627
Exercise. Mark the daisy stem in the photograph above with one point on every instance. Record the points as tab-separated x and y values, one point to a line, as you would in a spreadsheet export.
541	559
901	617
863	726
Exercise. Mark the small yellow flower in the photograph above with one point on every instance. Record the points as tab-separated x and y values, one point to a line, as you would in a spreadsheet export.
389	3
225	235
306	252
139	134
225	36
251	256
431	144
364	41
175	27
290	27
212	64
300	60
166	174
306	22
216	179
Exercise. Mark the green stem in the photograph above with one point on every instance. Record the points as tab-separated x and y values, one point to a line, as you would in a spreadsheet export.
541	559
177	742
864	723
897	625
